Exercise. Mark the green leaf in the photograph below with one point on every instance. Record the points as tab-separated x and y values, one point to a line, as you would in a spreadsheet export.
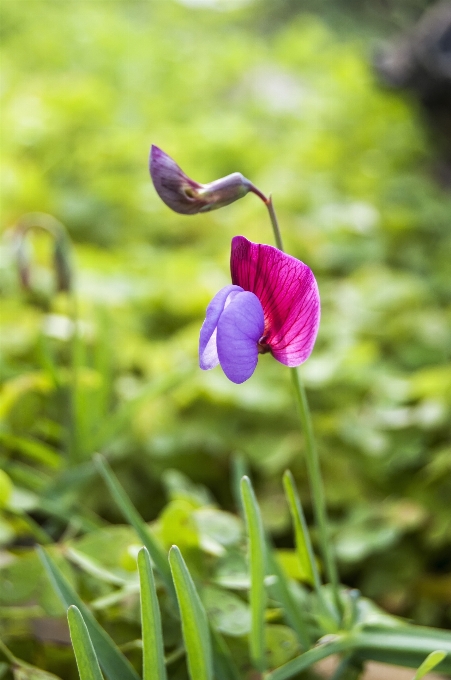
302	538
134	518
405	646
21	669
112	661
6	489
300	663
281	645
431	661
87	664
93	567
153	648
196	633
239	470
33	449
177	525
218	526
293	612
401	646
227	612
257	567
224	664
26	672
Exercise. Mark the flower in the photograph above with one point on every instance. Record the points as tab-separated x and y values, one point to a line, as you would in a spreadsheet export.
188	197
272	306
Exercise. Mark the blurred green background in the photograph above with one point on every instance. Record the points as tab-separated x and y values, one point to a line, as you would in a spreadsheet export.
284	93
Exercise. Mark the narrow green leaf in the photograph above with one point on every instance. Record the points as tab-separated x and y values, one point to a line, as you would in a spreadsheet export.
196	632
293	613
302	537
137	522
23	670
87	664
153	648
304	661
405	645
239	470
113	662
223	663
32	449
402	646
95	568
431	661
257	568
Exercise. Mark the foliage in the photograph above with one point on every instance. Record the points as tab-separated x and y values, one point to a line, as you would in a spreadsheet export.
294	106
360	630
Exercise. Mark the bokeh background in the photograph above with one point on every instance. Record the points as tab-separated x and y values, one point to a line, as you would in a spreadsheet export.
287	94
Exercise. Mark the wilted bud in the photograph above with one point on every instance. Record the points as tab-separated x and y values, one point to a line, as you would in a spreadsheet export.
23	262
62	262
188	197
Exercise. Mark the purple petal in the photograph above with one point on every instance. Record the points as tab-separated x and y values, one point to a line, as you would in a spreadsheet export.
208	355
288	293
239	328
172	185
183	195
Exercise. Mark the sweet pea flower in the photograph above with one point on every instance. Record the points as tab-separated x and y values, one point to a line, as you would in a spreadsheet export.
183	195
272	306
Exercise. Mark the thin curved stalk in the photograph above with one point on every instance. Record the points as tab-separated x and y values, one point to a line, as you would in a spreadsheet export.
311	454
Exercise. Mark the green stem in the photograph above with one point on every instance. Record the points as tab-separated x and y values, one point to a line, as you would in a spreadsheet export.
274	222
312	459
316	484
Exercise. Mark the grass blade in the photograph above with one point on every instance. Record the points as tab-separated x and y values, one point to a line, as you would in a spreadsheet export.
301	663
113	662
257	568
196	632
239	470
431	661
87	664
134	518
293	612
153	648
224	665
404	646
302	537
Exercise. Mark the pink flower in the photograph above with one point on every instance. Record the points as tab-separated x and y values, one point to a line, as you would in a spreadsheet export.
272	306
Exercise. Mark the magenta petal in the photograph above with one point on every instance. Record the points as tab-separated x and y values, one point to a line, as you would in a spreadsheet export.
239	328
208	355
288	293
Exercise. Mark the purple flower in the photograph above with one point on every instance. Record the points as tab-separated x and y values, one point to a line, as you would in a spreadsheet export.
184	195
272	306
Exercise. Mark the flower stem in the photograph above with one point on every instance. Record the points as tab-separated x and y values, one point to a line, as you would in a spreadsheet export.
274	222
311	454
316	484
